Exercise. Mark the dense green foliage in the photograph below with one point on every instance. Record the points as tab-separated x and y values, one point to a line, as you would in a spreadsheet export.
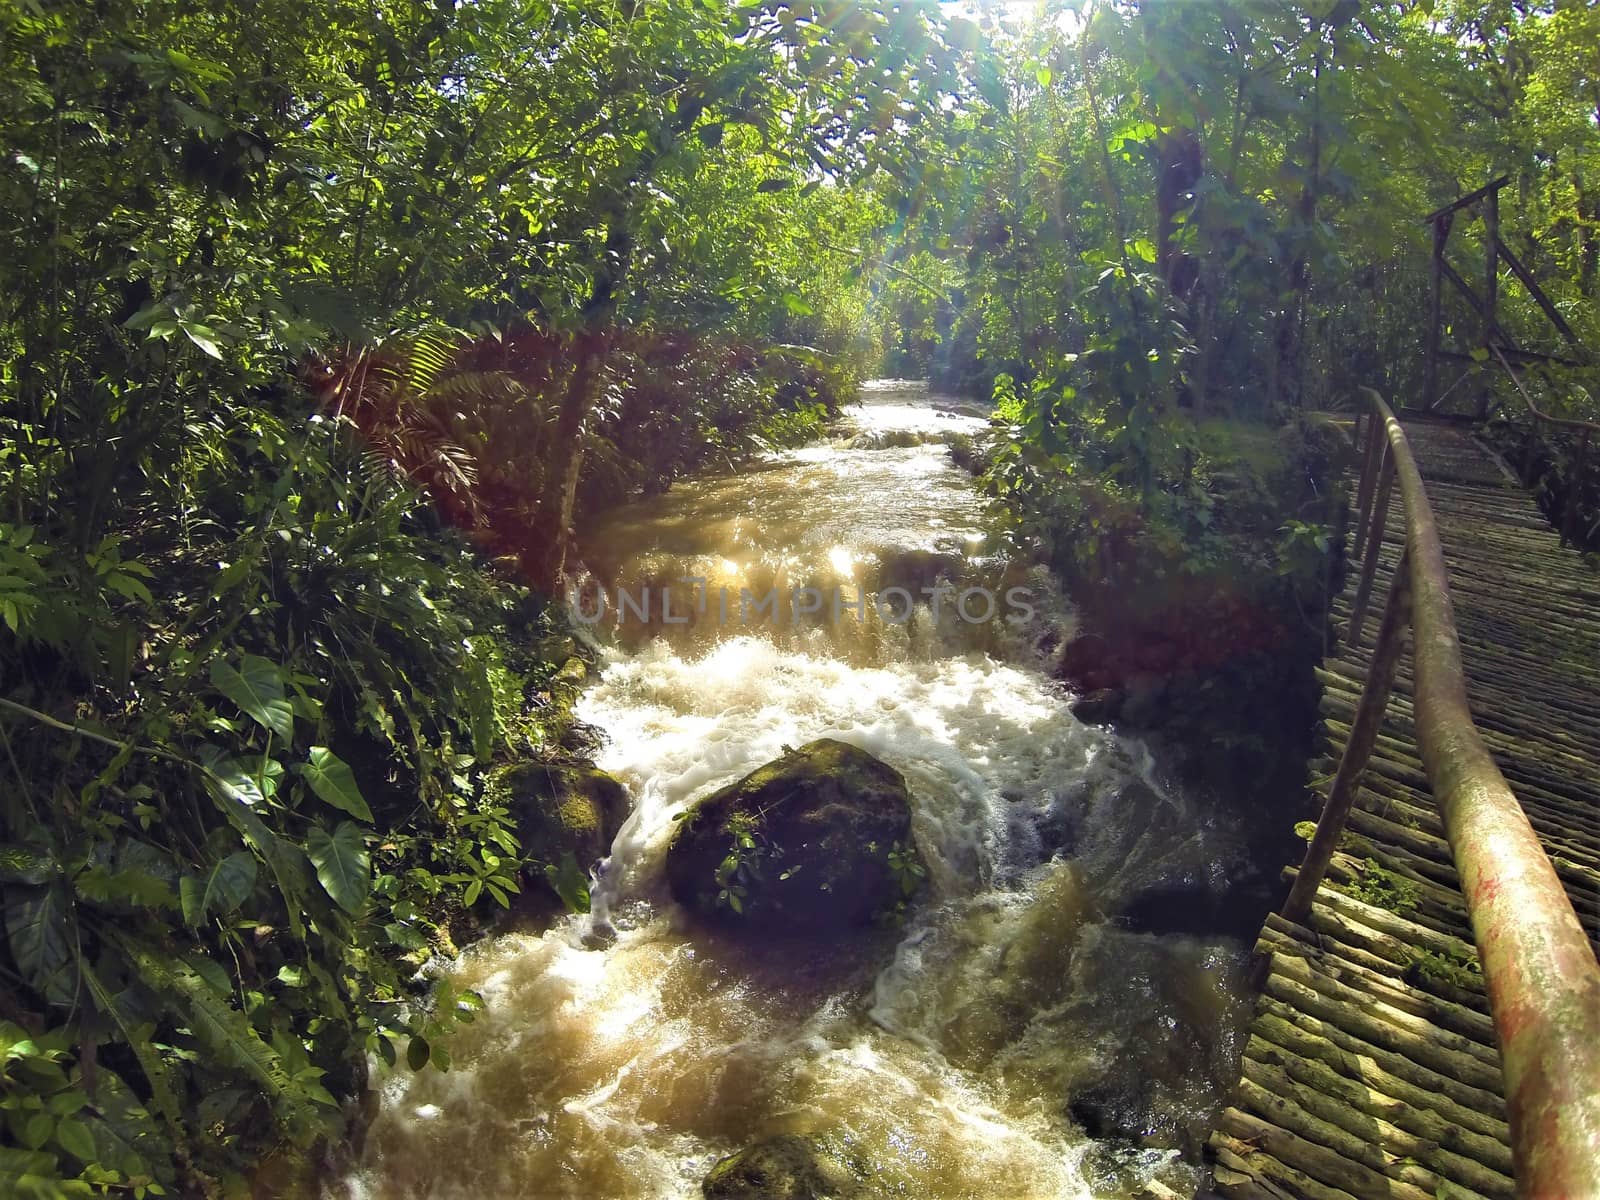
267	268
313	310
1150	216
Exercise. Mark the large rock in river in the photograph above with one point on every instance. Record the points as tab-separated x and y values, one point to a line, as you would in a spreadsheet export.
782	1168
814	842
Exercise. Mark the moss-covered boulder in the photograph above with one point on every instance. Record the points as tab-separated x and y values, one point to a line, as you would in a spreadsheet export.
783	1168
815	842
560	811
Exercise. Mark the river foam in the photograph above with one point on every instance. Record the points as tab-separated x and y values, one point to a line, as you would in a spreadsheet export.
947	1052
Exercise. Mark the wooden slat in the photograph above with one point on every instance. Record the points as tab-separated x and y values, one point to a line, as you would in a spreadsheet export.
1367	1075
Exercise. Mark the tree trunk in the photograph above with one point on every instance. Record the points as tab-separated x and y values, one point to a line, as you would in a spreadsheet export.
553	527
1286	375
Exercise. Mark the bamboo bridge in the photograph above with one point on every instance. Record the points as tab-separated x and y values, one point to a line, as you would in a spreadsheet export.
1428	1024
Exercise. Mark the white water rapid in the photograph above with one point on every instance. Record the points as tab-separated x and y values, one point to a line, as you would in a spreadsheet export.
960	1052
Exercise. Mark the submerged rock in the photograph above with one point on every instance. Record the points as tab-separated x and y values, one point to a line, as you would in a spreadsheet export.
782	1168
814	842
1034	969
1099	707
1188	905
1116	1109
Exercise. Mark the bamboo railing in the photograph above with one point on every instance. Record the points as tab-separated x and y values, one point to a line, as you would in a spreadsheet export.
1586	431
1541	975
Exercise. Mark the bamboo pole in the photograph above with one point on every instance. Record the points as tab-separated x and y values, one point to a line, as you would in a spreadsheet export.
1369	564
1318	1061
1312	1155
1250	1173
1401	1129
1369	717
1377	1042
1543	980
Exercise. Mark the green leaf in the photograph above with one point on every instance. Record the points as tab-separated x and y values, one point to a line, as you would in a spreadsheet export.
36	1130
229	777
257	688
43	940
407	936
570	883
1044	76
223	889
417	1053
149	315
204	337
64	1104
342	865
73	1136
163	1096
215	1023
710	135
25	864
772	185
100	885
128	586
14	1164
283	858
334	783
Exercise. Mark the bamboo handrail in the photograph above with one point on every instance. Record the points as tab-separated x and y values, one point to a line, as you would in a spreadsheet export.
1538	413
1586	431
1541	975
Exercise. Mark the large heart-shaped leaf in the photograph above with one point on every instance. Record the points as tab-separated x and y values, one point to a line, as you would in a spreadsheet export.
331	779
342	865
256	686
222	889
229	778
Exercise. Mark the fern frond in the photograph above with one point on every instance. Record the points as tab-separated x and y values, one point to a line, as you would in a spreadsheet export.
472	389
163	1096
216	1024
414	364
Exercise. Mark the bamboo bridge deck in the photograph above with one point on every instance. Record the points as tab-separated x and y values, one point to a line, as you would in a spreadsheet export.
1372	1068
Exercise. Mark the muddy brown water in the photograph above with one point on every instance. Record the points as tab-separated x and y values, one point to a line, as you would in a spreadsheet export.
974	1049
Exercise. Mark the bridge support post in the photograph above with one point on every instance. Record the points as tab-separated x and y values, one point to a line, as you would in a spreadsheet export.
1491	288
1369	473
1430	380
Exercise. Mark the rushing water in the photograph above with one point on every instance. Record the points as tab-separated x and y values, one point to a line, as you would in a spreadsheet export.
623	1053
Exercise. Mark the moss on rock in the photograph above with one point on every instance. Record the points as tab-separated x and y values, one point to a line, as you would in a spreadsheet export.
817	841
560	810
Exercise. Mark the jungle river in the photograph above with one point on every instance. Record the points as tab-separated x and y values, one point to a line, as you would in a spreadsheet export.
1009	1035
